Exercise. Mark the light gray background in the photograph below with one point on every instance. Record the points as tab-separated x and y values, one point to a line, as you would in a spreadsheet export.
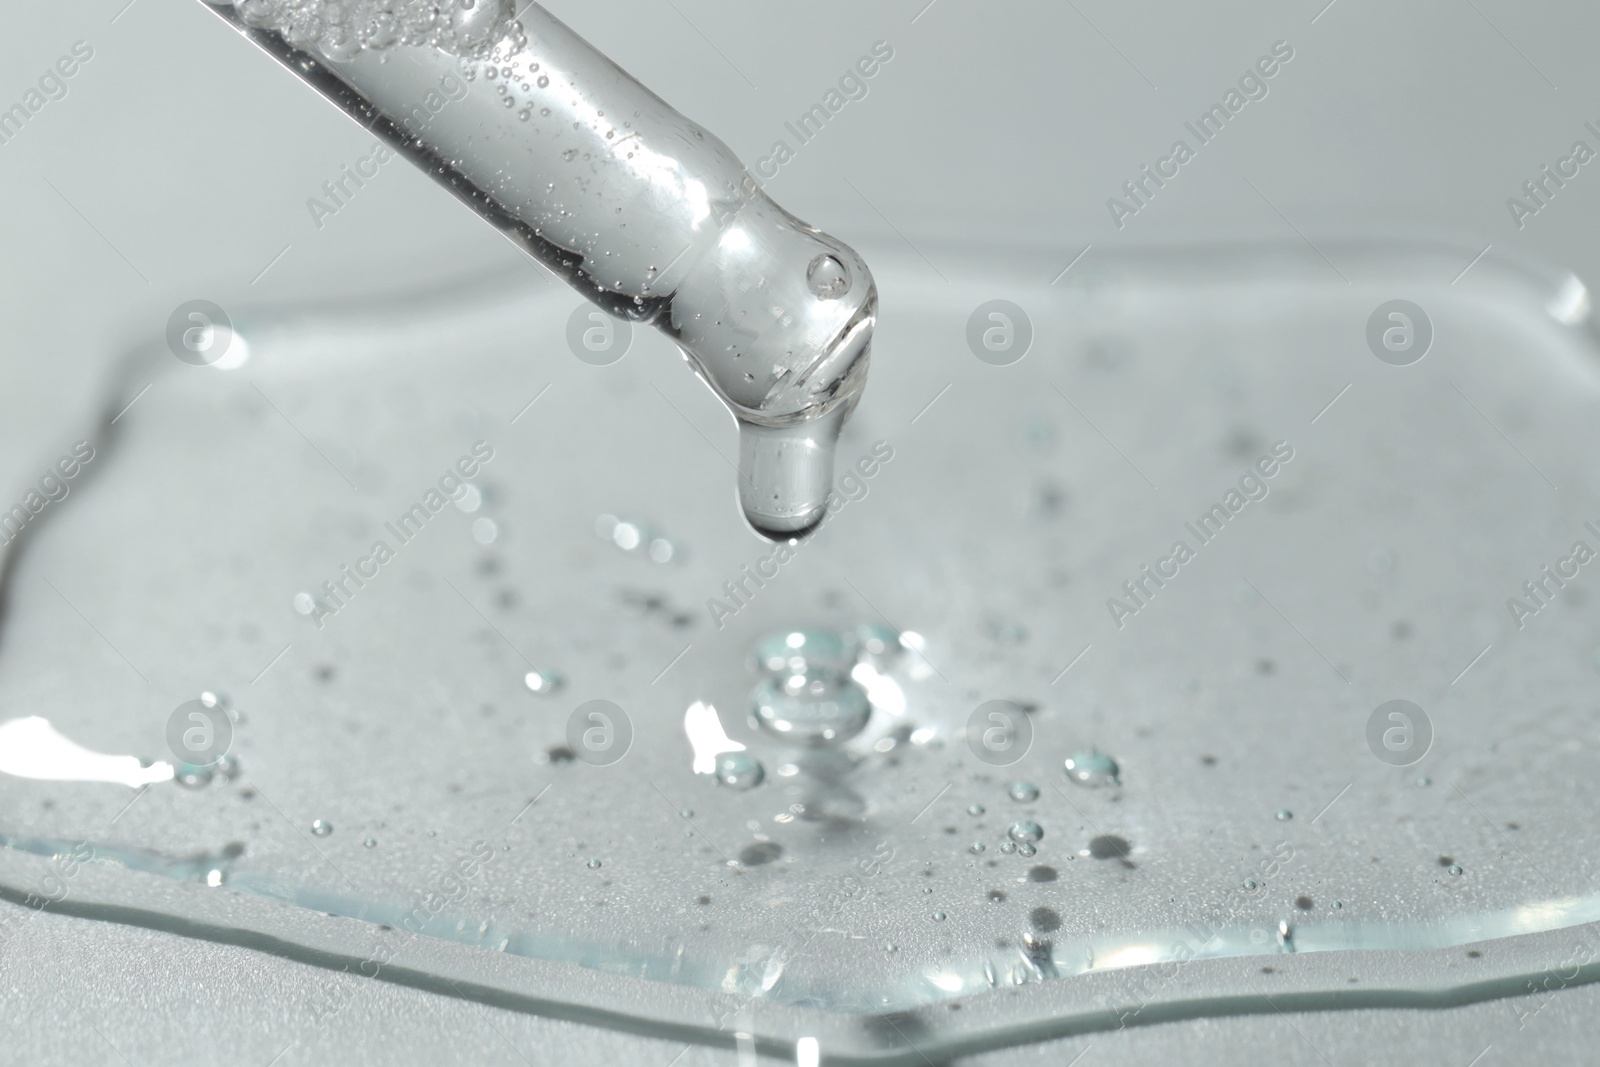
193	156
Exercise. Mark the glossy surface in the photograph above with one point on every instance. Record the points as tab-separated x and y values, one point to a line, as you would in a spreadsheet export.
400	714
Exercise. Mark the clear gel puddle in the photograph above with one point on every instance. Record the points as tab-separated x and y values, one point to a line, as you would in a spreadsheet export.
712	885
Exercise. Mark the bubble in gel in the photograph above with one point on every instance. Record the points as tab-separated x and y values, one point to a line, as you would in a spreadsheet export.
191	776
342	29
740	770
812	708
796	651
880	644
1025	832
322	827
828	278
1092	767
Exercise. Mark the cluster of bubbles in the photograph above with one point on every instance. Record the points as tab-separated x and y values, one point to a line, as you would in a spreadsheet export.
812	708
342	29
809	697
1024	835
198	776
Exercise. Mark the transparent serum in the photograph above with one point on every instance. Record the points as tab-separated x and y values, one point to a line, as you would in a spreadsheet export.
641	210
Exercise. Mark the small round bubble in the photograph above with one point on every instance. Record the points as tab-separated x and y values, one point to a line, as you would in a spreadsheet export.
827	277
740	770
1092	767
191	776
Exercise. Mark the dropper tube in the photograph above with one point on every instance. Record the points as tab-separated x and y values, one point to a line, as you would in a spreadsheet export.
641	210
